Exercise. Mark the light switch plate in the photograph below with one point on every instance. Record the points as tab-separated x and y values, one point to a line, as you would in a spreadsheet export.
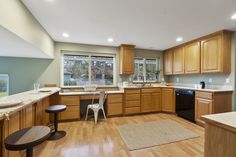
210	80
227	80
177	79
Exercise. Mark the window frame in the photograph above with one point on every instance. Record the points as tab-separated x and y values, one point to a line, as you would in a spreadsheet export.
89	54
144	68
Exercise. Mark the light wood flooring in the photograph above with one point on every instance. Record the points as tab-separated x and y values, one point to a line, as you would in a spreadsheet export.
85	139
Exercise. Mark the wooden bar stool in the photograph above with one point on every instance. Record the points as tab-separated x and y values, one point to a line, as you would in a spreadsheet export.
26	139
55	109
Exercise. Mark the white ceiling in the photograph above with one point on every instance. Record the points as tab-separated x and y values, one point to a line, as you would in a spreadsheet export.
150	24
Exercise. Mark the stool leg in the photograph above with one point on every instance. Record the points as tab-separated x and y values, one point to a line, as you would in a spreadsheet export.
56	121
29	152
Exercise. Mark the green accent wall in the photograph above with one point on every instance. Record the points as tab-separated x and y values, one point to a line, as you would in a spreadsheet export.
23	72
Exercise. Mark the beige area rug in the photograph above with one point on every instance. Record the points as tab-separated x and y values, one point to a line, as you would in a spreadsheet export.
144	135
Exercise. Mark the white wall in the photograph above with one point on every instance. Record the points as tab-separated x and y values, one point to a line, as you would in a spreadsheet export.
16	18
52	72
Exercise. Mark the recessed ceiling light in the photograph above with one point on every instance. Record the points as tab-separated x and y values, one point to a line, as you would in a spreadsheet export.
233	17
66	35
110	40
179	39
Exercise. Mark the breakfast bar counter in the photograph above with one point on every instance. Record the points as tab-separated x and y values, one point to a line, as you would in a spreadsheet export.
220	134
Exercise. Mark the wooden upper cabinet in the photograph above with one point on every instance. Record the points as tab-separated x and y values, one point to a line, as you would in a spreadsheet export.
127	59
216	53
168	60
178	60
192	60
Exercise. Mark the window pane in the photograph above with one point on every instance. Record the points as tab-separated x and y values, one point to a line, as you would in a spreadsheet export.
138	72
102	70
151	70
76	70
4	85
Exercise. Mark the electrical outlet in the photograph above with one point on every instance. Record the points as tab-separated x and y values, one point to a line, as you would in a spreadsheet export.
210	80
227	80
177	79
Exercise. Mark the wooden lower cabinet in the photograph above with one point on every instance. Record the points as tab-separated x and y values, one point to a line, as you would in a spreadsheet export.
46	103
10	126
39	113
72	111
114	104
168	100
132	102
211	103
151	102
202	107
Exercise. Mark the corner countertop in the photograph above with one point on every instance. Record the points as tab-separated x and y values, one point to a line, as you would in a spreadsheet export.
214	90
223	120
27	98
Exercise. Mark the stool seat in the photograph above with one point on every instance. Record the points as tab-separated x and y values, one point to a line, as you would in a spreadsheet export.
27	138
55	108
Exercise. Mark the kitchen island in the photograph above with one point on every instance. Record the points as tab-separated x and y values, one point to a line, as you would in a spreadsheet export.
220	135
27	114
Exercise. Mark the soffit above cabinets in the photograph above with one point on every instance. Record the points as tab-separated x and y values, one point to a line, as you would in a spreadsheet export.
150	24
14	46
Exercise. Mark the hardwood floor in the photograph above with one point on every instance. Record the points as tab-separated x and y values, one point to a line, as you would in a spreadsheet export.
85	139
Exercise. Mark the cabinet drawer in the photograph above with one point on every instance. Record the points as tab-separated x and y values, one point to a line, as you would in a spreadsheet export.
151	90
71	112
115	98
132	110
114	109
70	100
129	97
132	91
204	95
132	103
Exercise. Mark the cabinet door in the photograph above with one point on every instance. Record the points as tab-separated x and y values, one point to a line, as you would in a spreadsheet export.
71	113
11	126
156	102
127	60
146	105
192	58
168	100
114	109
29	116
178	61
211	54
46	103
168	59
39	113
202	107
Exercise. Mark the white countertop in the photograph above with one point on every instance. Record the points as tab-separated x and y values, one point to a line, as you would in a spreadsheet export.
85	93
226	120
27	98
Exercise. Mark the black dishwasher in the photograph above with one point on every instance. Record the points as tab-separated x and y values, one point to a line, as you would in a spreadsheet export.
185	103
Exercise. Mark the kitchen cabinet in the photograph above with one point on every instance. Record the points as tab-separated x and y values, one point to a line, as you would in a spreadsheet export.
39	113
210	103
168	100
72	111
46	103
168	61
216	53
192	60
132	101
150	100
114	104
127	59
178	60
10	126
